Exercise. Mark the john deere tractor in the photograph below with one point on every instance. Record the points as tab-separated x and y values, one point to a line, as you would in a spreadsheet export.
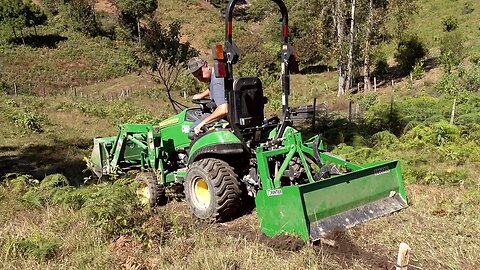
298	187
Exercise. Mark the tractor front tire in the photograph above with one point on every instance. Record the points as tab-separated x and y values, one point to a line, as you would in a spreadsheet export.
150	192
212	190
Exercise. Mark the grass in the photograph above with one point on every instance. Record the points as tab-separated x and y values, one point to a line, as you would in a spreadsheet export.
74	60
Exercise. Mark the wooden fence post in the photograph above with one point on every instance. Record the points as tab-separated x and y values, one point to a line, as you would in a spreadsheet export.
349	112
314	113
375	84
403	256
452	115
15	88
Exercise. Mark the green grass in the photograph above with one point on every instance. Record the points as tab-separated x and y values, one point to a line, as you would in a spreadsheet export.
75	61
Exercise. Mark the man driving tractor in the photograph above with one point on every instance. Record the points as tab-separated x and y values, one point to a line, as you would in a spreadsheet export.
216	90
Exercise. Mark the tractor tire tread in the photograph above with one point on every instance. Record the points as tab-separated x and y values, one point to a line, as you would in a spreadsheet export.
159	196
227	191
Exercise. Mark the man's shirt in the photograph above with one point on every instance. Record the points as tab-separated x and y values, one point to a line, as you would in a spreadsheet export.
217	90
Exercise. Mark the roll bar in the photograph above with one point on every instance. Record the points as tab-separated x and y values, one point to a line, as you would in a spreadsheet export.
232	53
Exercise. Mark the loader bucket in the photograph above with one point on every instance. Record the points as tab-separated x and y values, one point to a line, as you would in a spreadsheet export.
312	210
99	160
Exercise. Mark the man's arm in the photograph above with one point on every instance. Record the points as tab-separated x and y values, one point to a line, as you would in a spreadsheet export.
201	95
220	112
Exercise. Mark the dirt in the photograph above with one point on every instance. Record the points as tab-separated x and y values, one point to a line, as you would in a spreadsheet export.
342	248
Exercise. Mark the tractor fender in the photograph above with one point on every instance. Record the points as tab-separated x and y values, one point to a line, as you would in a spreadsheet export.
215	143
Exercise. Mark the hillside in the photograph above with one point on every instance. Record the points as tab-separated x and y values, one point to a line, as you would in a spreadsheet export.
62	88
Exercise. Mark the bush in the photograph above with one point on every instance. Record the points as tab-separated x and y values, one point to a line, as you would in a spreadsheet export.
111	206
448	84
54	181
19	183
451	50
384	139
417	71
30	120
443	133
410	50
449	24
381	67
38	246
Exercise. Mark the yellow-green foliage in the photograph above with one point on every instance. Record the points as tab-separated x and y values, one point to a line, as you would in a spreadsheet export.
38	245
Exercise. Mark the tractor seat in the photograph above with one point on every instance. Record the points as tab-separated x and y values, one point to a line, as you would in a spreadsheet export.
248	102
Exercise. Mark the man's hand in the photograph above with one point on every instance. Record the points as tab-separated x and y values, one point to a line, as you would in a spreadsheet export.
198	128
197	96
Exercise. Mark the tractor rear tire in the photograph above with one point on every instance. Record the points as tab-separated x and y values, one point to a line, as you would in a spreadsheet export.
150	192
212	190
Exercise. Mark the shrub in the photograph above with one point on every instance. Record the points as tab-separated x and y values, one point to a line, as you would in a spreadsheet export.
54	181
384	139
38	246
20	183
111	206
410	50
11	102
451	50
443	132
381	67
447	84
417	71
368	100
30	120
449	24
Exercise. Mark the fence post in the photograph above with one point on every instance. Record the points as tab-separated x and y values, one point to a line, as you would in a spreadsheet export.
15	88
375	84
403	256
349	112
452	115
314	113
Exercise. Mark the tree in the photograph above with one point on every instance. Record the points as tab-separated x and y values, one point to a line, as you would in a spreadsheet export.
18	15
81	16
137	9
165	55
339	21
34	16
351	46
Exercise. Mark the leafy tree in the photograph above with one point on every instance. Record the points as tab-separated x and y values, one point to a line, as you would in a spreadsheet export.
451	50
18	15
410	50
136	9
34	16
165	55
80	15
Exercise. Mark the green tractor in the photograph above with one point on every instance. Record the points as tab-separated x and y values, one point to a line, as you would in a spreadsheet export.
298	187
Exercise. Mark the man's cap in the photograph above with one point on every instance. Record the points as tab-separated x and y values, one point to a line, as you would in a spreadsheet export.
195	63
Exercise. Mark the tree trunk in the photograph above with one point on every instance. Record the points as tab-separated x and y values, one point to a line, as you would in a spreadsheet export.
14	32
338	21
23	39
139	34
348	82
366	52
35	29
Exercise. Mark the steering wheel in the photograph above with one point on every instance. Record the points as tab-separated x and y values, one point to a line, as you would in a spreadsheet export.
202	101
